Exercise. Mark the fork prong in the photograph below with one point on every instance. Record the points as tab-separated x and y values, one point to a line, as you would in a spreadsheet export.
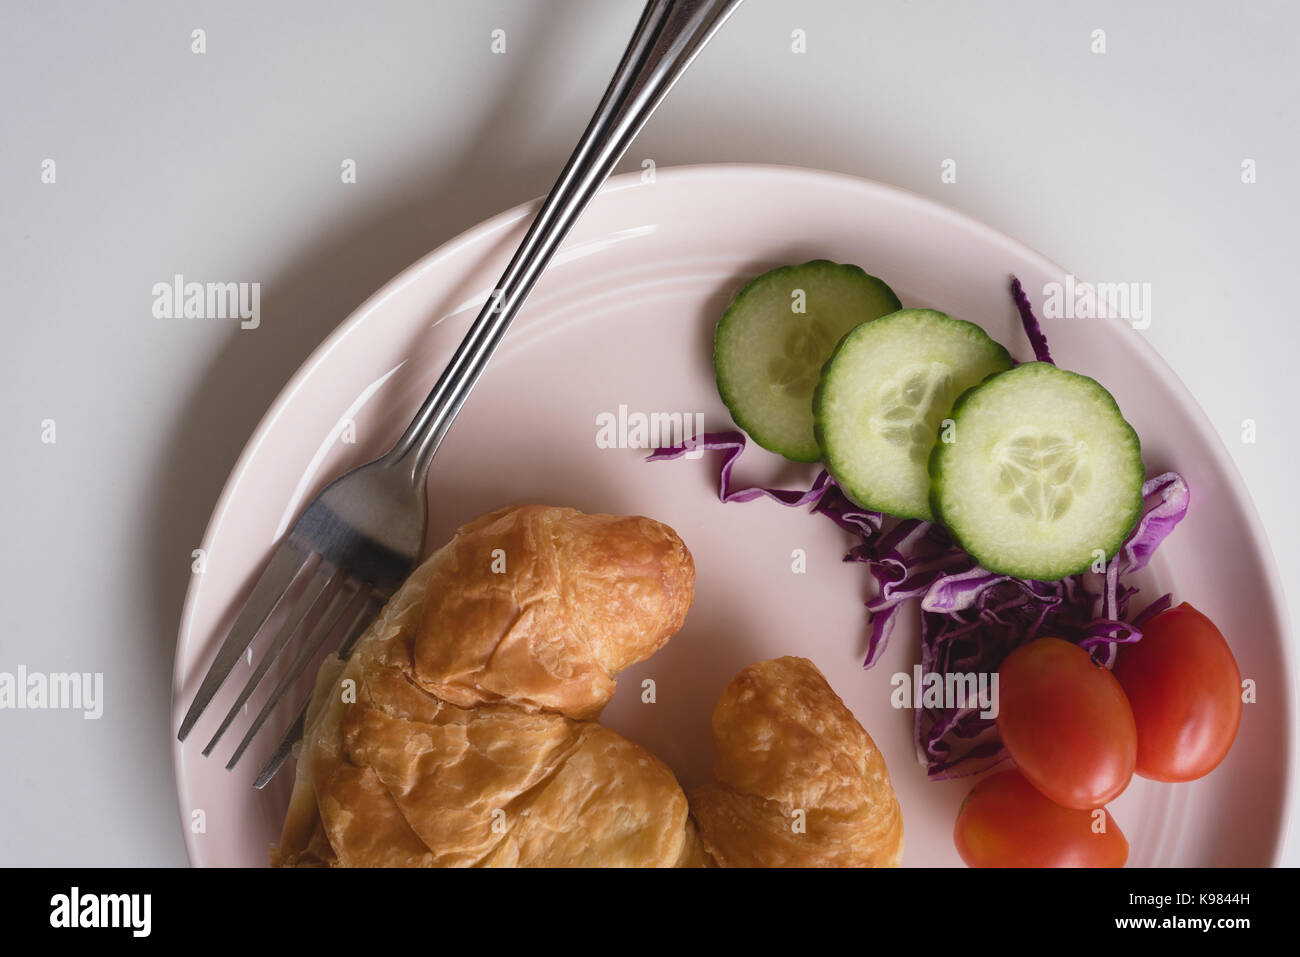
266	596
306	650
365	615
324	574
282	750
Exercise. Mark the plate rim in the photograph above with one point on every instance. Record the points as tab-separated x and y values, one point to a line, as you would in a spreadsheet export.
508	218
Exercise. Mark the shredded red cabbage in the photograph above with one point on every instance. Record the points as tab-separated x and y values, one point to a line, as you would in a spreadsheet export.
971	618
1033	330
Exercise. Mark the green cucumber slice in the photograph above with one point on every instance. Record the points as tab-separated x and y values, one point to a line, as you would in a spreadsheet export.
883	396
1043	476
767	356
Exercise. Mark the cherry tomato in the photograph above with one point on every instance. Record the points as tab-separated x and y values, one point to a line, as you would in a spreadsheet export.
1006	822
1185	689
1066	723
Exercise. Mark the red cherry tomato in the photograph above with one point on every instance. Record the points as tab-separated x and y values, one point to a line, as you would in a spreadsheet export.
1006	822
1066	723
1185	690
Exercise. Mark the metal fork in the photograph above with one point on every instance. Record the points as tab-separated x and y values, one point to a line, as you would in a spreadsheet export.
357	541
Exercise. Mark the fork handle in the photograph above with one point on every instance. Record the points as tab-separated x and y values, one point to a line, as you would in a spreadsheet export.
667	38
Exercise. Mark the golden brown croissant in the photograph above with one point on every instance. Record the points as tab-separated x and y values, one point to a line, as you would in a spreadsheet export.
799	782
543	606
455	735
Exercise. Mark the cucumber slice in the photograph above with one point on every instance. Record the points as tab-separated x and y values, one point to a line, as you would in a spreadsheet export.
1043	475
767	356
883	396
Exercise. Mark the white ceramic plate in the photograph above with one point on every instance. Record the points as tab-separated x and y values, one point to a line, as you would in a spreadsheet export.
625	317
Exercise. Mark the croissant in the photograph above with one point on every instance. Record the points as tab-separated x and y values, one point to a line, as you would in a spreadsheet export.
799	783
459	732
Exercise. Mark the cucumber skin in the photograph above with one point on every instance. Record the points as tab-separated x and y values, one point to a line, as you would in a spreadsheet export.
935	469
817	419
751	286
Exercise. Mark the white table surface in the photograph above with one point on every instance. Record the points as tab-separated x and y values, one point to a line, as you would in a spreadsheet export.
1123	166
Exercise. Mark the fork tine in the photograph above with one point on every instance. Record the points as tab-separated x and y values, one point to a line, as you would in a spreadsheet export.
368	613
365	615
282	750
266	596
324	625
322	578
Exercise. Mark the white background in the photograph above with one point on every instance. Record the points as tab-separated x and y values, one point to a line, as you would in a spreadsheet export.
1124	166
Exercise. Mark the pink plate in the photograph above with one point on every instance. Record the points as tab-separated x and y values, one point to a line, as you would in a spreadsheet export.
624	318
